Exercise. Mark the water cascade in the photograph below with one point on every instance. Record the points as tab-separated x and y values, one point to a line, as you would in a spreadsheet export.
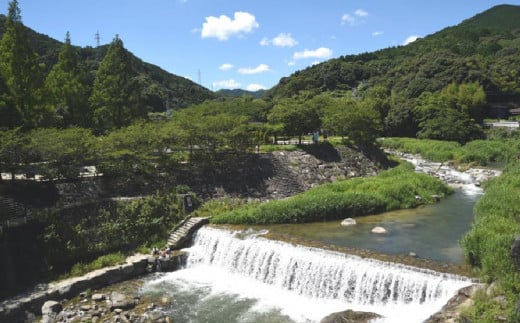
316	277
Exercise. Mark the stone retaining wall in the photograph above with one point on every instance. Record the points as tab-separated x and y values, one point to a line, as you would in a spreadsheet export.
20	308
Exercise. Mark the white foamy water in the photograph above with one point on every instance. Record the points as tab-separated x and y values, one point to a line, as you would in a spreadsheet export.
306	284
468	181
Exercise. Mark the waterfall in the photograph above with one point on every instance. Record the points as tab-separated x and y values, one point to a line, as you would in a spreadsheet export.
355	282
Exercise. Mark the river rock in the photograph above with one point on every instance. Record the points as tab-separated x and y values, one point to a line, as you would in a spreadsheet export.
98	297
379	230
350	316
121	301
50	310
348	222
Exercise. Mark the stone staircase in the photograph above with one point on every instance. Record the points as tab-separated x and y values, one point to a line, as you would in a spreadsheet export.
283	182
184	231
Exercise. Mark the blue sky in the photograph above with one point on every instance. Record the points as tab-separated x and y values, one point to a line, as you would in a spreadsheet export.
248	44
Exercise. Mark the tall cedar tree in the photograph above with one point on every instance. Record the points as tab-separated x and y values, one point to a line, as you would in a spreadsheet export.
66	88
114	96
21	73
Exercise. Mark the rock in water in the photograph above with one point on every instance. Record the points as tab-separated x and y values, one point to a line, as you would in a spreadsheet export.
348	222
379	230
350	316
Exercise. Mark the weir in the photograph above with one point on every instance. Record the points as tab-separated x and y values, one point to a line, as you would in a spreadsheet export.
351	282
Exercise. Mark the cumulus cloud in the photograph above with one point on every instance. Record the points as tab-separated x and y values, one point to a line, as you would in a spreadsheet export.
282	40
224	27
361	13
255	87
225	67
226	84
411	39
322	52
255	70
347	19
265	42
377	33
353	19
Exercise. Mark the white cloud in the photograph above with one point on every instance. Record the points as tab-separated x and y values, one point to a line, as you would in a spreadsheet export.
377	33
224	27
361	13
321	52
291	63
284	40
225	67
347	19
265	41
411	39
255	70
226	84
255	87
315	63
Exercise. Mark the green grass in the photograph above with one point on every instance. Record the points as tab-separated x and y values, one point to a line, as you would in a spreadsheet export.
81	268
393	189
487	245
479	152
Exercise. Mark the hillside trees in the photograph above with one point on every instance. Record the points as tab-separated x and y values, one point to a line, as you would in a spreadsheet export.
66	88
114	101
22	75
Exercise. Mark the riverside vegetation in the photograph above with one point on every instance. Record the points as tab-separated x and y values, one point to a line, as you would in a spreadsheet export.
497	220
396	188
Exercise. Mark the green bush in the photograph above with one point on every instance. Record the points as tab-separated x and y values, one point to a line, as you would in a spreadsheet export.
393	189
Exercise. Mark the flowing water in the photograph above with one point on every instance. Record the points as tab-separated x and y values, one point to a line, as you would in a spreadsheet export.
238	277
241	277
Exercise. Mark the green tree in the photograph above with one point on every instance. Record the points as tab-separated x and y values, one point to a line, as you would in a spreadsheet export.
14	152
358	120
66	88
114	98
21	72
62	152
297	118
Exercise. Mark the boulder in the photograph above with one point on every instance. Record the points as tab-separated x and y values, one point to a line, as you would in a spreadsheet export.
348	222
121	301
50	310
350	316
98	297
379	230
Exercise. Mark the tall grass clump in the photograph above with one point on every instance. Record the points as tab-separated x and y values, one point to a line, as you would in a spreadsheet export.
487	245
393	189
434	150
479	152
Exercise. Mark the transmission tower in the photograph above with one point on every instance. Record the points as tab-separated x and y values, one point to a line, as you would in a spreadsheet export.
98	38
199	78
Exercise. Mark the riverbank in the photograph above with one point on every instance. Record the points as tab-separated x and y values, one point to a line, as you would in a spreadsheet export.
26	307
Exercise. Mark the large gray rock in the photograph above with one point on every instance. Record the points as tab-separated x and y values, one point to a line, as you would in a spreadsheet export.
350	316
50	310
121	301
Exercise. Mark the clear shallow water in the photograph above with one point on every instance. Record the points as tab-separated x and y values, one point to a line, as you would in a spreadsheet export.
431	232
